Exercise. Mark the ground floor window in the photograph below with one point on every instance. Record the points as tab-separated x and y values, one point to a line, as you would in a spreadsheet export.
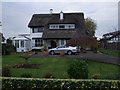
38	42
17	43
63	42
22	43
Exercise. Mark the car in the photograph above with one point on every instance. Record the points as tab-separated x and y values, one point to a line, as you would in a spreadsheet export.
68	50
88	49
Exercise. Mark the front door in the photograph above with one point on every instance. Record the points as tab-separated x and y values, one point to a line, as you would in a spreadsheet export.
52	44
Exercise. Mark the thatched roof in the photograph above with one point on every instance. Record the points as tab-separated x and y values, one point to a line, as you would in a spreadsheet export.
60	34
39	20
43	20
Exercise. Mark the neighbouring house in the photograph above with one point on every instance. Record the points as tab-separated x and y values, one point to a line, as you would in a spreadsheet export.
2	39
22	43
55	29
111	40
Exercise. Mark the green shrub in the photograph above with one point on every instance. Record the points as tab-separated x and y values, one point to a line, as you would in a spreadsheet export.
26	75
78	70
6	71
58	84
7	49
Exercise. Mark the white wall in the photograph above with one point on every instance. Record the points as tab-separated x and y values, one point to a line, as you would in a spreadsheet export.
26	48
36	35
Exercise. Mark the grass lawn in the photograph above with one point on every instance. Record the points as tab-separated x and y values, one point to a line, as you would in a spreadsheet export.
57	66
110	52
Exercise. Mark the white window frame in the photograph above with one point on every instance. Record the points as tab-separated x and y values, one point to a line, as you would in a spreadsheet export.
62	42
38	30
38	42
66	26
17	44
22	44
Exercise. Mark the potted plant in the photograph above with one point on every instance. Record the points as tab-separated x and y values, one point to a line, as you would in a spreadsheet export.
46	53
62	53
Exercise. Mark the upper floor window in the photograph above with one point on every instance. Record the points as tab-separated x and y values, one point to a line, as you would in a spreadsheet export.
37	30
62	26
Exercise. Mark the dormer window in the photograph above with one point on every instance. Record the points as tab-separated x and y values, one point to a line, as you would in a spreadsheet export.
62	26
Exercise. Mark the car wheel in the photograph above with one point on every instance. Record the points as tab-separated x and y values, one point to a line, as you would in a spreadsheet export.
69	52
52	52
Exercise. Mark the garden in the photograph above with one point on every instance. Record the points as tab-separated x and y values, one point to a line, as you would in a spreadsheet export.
55	67
22	71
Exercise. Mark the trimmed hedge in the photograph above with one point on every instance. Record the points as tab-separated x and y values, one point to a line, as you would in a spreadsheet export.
57	84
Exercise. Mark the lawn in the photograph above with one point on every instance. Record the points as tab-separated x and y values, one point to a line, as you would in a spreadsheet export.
110	52
57	66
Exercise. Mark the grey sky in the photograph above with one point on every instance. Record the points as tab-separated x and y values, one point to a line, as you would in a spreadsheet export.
16	15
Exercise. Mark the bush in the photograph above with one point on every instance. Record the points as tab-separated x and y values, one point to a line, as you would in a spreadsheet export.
58	84
78	70
26	75
49	75
7	49
6	71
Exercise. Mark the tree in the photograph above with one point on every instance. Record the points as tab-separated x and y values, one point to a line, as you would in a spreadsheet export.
83	41
90	26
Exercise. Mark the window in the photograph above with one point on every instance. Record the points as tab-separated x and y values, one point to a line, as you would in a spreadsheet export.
38	42
38	30
17	43
62	26
22	43
62	42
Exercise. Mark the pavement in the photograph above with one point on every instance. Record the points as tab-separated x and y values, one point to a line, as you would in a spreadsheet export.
98	57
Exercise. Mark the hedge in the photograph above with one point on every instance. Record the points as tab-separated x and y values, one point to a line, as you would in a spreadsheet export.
12	83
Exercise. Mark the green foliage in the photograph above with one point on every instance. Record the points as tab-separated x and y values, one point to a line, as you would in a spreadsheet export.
90	26
6	71
7	49
26	75
78	70
58	84
9	41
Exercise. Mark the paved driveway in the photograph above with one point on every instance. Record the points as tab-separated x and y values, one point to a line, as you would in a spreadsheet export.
99	57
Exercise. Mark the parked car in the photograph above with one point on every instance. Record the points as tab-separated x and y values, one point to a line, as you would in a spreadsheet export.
88	49
68	50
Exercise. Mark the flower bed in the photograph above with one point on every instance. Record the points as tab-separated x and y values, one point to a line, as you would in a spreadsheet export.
57	84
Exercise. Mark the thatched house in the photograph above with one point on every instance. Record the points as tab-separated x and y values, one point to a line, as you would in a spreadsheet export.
55	29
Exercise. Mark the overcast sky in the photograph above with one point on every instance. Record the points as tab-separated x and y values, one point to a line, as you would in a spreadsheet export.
16	15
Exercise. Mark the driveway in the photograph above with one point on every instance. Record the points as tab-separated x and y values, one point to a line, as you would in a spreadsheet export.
99	57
